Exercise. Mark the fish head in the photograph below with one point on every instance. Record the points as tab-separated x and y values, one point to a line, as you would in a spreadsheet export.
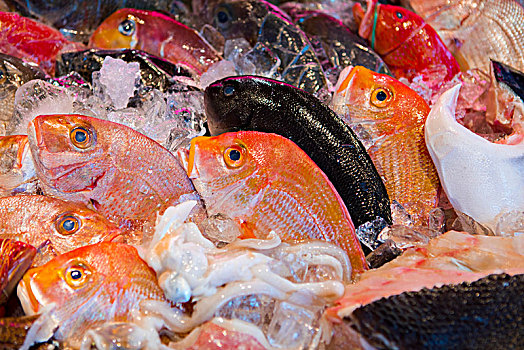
112	273
219	164
386	26
68	150
231	102
122	30
370	96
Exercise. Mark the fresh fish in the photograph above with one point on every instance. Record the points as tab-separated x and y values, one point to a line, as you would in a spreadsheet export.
17	172
254	103
16	260
32	41
393	116
156	34
124	175
13	73
341	46
90	285
478	30
34	219
407	44
481	179
155	72
489	317
266	183
277	42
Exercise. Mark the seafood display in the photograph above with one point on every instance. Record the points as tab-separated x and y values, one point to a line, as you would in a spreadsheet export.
220	174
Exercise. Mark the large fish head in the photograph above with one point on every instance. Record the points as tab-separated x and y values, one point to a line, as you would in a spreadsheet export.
219	165
369	96
239	19
231	102
386	26
68	150
122	30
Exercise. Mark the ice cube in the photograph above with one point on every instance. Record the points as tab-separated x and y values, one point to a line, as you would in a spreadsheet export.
254	308
119	335
405	237
510	224
437	219
119	80
368	232
400	215
217	71
236	48
221	228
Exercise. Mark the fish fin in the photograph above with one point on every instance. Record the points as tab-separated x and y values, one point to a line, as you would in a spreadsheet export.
247	231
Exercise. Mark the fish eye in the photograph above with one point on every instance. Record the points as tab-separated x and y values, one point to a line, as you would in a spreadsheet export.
399	15
234	156
381	97
81	137
77	275
222	17
127	27
67	225
229	90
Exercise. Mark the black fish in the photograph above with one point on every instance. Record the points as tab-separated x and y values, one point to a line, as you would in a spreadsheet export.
513	78
14	72
340	45
155	72
255	103
274	38
485	314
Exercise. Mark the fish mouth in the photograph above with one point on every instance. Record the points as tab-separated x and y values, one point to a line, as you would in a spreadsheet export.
365	18
343	85
28	300
187	157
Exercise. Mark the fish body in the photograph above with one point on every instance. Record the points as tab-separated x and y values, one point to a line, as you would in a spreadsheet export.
481	179
279	46
125	175
260	104
266	183
478	30
90	285
16	165
34	219
14	72
342	47
16	260
32	41
394	116
408	45
156	34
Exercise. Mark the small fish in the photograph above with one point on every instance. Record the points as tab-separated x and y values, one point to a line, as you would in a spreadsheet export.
16	260
124	175
408	45
13	73
16	166
156	34
90	285
266	182
32	41
393	115
34	219
261	104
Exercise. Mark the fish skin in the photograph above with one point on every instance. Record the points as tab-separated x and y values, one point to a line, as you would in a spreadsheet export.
16	165
126	176
16	260
512	77
408	45
32	41
156	34
267	105
396	127
274	37
34	219
113	281
275	187
342	46
14	72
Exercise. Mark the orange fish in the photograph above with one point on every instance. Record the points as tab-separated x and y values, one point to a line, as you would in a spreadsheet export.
90	285
266	182
156	34
35	219
394	116
16	259
16	165
124	175
405	42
